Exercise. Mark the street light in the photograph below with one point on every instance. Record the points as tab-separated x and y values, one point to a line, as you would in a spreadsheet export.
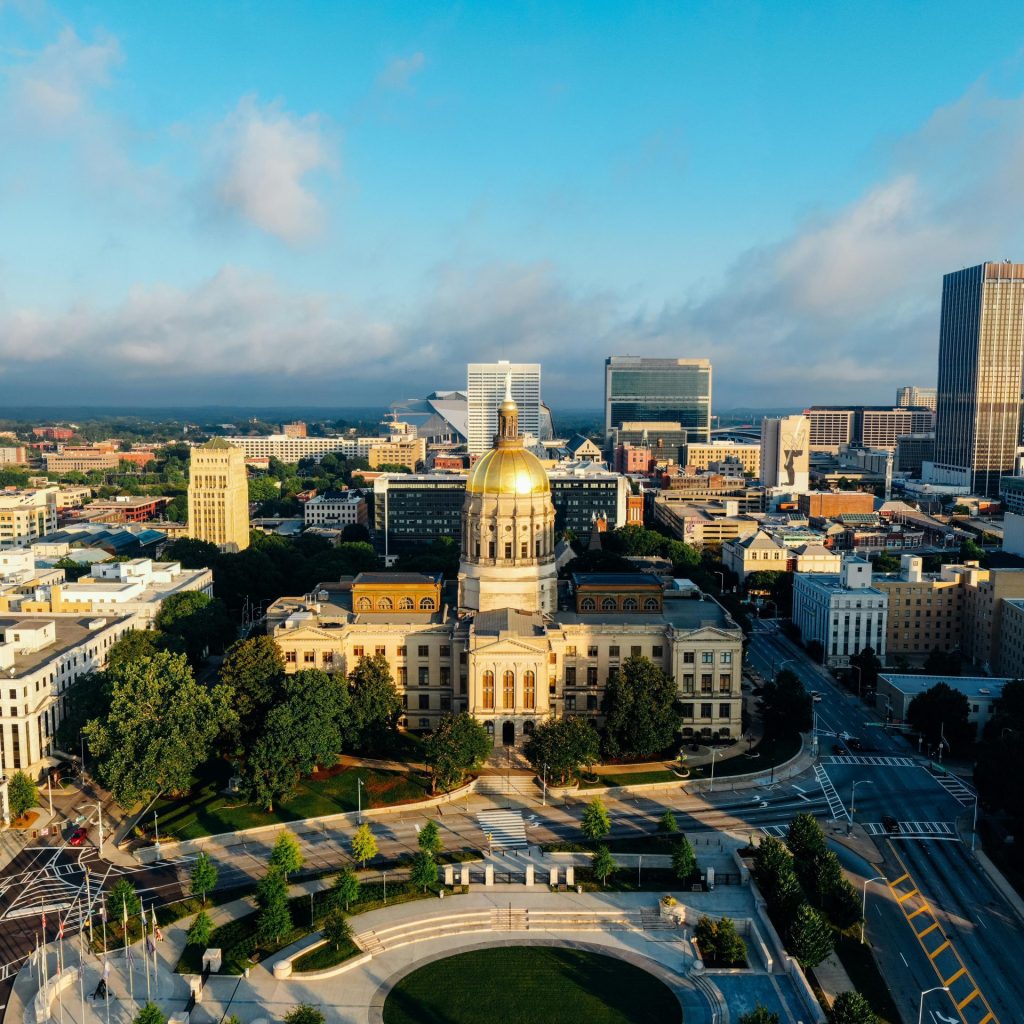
714	754
544	802
864	903
860	680
782	665
853	799
359	800
920	1005
721	576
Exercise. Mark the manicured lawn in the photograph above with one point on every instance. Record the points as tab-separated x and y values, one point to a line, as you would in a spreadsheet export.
633	779
530	985
323	957
771	753
208	810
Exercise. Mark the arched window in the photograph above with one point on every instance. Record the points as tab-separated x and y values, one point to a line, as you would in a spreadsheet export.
489	726
426	604
385	604
587	604
364	604
528	728
508	689
406	604
650	604
529	691
630	604
489	691
608	604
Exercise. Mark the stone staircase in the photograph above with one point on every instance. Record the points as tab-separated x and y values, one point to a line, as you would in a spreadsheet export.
507	785
500	919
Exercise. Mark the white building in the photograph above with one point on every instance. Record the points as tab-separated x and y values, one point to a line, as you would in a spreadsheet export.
335	508
293	449
25	516
485	388
785	458
41	658
138	588
843	611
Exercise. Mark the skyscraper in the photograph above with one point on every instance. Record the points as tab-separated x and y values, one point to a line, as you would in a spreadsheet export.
218	495
485	389
981	348
911	397
658	390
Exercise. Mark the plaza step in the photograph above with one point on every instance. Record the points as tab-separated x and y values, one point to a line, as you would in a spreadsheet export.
506	785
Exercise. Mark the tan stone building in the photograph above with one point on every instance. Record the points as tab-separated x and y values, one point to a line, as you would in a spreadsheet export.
924	610
26	516
218	496
701	456
399	451
507	642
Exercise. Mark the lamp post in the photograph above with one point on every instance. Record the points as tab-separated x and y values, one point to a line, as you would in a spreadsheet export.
714	754
721	576
864	903
860	681
920	1004
359	800
782	665
544	801
974	824
853	799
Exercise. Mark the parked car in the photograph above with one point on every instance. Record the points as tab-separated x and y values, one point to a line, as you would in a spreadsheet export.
78	837
815	696
890	824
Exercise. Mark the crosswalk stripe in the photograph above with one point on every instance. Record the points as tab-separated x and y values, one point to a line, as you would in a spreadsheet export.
505	828
872	760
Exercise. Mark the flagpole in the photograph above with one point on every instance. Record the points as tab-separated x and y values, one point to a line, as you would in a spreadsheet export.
156	964
127	951
106	984
145	951
88	906
81	970
60	971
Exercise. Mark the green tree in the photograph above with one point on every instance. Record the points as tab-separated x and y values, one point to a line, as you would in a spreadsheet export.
759	1015
73	571
429	839
364	844
376	704
559	748
787	706
91	700
160	727
776	877
203	877
423	870
336	929
805	837
810	937
263	489
135	645
603	864
21	794
667	823
274	920
271	769
304	1014
640	712
851	1008
287	854
201	622
192	553
121	898
595	823
869	665
253	668
459	744
943	663
345	889
684	862
720	944
940	713
150	1014
200	931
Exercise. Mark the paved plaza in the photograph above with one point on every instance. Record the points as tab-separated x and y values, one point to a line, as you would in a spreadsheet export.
357	995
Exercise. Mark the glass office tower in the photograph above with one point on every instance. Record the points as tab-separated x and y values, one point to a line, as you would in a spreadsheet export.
641	390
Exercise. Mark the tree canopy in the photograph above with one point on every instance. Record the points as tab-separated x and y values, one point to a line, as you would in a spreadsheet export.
458	745
941	712
640	710
561	747
787	706
376	704
199	621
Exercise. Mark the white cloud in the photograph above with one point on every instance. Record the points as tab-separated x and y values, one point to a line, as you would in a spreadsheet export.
53	89
400	71
264	157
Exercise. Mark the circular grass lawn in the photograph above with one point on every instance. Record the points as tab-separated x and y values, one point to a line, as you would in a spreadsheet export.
531	985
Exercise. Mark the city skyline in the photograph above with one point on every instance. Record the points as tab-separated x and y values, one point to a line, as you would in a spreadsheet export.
335	208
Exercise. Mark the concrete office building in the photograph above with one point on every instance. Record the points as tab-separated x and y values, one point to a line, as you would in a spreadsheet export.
399	451
335	508
42	657
664	441
664	390
218	495
912	452
981	349
829	430
785	453
702	456
295	449
485	388
895	693
913	397
844	612
26	516
864	426
509	645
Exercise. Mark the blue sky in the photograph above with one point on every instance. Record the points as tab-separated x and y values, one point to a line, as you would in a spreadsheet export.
342	203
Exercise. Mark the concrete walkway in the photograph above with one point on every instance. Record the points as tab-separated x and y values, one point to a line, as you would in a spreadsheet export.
356	997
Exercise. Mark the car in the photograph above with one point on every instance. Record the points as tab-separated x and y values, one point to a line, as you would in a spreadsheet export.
890	824
838	748
815	696
854	744
78	837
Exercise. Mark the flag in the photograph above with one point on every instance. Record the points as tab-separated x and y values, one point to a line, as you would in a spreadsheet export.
150	945
131	956
60	929
103	910
106	969
124	908
152	911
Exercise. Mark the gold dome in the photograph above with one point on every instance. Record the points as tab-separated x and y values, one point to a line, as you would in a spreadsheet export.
511	471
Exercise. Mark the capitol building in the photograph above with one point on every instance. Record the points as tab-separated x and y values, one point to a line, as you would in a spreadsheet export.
510	642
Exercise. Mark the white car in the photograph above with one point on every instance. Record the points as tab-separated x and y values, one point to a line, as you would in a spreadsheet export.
815	696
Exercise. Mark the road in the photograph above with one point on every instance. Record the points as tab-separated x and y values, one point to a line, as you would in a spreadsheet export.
985	935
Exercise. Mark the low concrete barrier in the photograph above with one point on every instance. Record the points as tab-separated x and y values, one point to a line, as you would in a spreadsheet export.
284	968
